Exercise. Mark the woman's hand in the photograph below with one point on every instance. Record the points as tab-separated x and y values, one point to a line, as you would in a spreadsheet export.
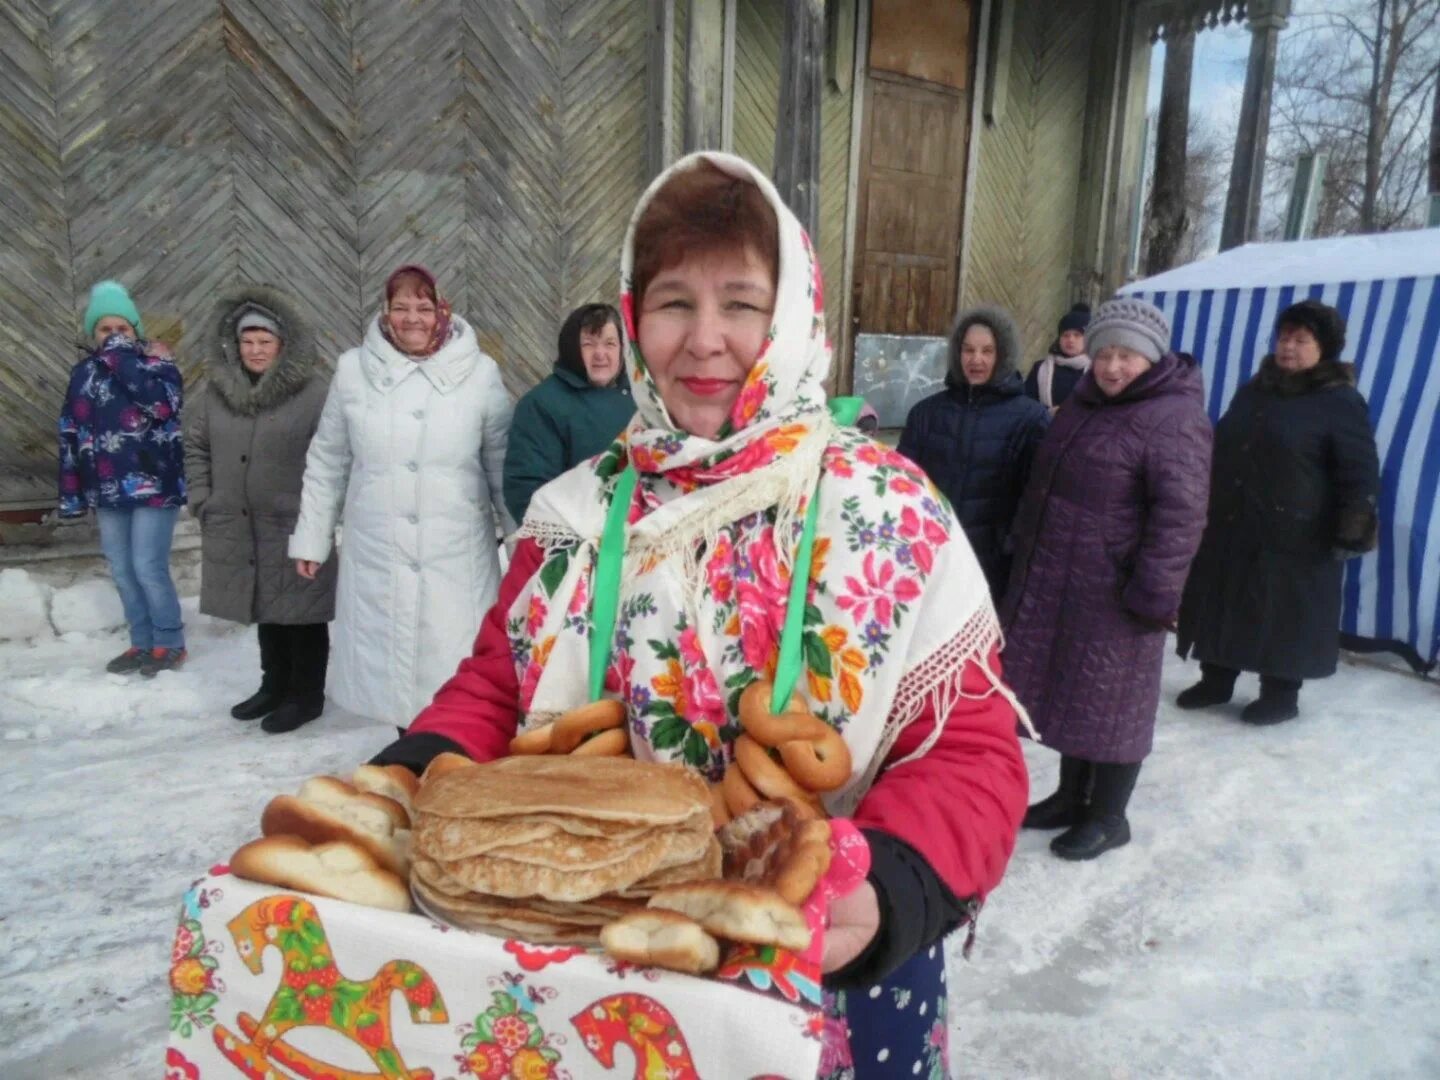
854	922
307	568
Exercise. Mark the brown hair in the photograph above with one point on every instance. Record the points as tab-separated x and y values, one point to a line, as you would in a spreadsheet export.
412	281
702	211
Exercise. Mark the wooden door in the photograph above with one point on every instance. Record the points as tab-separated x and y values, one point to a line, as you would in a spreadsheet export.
912	169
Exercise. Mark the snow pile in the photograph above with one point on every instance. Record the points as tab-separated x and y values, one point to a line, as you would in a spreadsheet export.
1274	915
87	607
24	607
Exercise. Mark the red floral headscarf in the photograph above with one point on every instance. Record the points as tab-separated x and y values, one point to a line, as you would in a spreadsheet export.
441	333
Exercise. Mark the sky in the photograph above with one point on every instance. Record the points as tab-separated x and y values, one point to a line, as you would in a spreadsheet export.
1217	85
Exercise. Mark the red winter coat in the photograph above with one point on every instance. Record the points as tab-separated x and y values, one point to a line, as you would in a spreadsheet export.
959	806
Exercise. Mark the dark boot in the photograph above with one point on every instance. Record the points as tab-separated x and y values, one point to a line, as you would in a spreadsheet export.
127	663
1279	701
1216	687
309	655
1067	806
295	711
158	660
274	675
1106	826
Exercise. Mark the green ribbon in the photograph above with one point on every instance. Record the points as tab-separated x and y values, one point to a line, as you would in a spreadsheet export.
605	604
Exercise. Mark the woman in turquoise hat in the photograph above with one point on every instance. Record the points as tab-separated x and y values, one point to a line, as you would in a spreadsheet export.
122	455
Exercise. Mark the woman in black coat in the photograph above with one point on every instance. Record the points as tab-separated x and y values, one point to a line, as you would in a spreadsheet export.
1293	495
975	439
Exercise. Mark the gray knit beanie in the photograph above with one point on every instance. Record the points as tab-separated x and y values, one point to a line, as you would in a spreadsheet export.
254	317
1131	324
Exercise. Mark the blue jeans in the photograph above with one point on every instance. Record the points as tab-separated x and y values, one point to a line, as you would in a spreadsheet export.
137	547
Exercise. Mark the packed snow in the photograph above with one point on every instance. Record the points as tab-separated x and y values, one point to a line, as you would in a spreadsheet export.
1276	915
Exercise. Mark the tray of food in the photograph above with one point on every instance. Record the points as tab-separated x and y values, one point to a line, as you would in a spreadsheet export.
530	916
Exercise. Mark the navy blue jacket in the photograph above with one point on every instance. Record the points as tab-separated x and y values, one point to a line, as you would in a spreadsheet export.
976	443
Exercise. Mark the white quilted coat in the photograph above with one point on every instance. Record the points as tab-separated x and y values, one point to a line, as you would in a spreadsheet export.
412	451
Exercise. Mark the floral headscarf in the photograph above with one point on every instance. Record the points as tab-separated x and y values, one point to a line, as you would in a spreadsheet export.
441	334
896	602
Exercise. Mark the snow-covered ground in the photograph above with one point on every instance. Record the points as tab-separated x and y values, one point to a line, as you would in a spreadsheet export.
1277	914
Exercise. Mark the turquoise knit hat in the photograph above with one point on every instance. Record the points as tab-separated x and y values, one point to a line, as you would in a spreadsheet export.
110	298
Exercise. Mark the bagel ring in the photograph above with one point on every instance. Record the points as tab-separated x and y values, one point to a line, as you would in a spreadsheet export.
571	729
535	741
814	752
612	742
740	797
821	764
767	776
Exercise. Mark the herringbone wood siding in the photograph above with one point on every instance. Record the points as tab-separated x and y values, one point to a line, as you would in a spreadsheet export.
1029	167
759	25
187	146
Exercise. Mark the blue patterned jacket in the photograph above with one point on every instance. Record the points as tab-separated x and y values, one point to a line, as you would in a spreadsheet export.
120	440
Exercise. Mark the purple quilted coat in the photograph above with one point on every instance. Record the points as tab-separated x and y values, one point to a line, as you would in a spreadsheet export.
1109	522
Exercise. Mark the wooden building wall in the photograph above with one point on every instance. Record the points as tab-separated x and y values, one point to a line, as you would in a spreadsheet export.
758	30
187	146
1022	229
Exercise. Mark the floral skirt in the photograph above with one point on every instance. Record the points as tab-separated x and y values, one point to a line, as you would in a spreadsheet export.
894	1029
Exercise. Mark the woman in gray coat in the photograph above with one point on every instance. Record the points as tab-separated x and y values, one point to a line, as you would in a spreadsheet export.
245	453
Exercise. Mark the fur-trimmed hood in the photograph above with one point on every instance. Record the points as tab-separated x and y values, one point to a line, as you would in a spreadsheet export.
1294	383
292	369
1007	344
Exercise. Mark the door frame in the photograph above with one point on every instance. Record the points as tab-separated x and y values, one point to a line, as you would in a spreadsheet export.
857	188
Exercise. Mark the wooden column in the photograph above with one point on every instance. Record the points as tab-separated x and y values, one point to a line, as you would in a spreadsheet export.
1247	174
660	84
797	128
704	76
1168	222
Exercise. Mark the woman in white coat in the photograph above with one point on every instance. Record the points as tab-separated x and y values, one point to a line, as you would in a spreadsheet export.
412	445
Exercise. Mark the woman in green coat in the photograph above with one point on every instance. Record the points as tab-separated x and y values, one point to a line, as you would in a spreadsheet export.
575	413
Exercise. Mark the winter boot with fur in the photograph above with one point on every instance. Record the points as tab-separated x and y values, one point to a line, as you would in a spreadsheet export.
1279	701
1216	687
1068	805
1105	825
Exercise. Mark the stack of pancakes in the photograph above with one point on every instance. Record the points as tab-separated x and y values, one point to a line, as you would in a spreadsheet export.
550	849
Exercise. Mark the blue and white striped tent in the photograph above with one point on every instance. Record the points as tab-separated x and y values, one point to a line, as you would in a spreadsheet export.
1222	311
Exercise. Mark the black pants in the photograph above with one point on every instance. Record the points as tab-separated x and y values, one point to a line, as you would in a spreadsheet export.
294	659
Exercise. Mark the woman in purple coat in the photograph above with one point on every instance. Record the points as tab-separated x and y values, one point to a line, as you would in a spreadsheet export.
1109	522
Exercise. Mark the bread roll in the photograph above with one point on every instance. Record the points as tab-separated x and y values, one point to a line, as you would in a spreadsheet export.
661	939
392	781
340	870
328	810
738	912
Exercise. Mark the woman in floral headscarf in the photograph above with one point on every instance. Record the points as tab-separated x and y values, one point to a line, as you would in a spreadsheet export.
732	441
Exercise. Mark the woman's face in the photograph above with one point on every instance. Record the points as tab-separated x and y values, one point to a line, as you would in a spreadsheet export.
702	324
977	354
1072	342
258	350
1296	349
600	350
1116	367
108	326
412	320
